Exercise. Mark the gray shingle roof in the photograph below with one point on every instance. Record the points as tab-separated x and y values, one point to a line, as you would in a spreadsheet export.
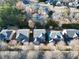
54	33
37	32
23	31
71	32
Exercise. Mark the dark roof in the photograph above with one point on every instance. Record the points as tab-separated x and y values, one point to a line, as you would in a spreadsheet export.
8	34
2	36
22	37
77	34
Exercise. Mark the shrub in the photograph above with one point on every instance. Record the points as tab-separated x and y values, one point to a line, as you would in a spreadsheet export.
70	26
38	25
41	0
52	23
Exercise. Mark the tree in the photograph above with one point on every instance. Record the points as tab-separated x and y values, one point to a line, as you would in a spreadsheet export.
10	15
1	22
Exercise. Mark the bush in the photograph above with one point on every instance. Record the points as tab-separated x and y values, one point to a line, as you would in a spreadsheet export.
49	23
41	0
38	25
52	23
70	26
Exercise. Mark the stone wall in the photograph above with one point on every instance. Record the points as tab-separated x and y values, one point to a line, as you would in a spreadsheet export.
39	55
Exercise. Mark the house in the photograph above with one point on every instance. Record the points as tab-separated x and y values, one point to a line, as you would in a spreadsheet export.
71	32
22	35
2	36
56	36
8	33
39	35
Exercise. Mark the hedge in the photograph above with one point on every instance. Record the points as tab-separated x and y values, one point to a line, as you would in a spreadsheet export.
70	26
52	23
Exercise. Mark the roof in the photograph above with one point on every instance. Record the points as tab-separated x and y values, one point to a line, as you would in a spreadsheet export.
23	31
2	36
71	32
22	37
38	32
8	33
54	33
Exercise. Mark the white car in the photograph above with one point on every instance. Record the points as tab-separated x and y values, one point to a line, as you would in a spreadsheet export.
58	3
71	4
